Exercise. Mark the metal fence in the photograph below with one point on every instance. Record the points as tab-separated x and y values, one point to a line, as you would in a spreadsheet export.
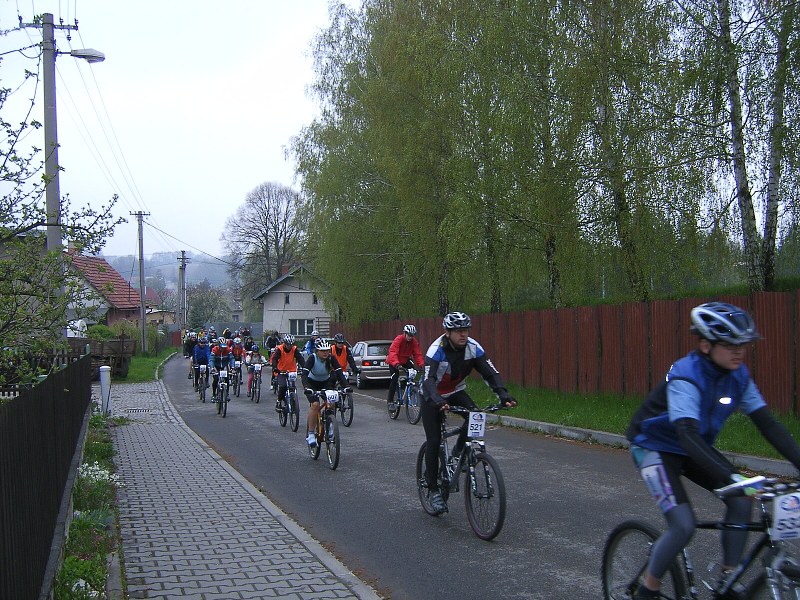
619	349
40	431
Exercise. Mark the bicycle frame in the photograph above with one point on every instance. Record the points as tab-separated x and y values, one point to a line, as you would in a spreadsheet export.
453	469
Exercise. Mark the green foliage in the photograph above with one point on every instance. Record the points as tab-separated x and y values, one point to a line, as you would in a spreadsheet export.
99	332
125	328
143	368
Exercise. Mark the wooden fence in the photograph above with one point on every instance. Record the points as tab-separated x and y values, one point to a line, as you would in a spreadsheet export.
620	349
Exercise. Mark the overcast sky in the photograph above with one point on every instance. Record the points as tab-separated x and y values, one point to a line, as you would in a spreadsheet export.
193	107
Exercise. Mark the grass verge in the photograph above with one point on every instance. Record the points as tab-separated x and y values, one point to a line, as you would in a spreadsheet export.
142	368
610	413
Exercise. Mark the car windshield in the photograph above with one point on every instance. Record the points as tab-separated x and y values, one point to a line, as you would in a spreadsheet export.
378	350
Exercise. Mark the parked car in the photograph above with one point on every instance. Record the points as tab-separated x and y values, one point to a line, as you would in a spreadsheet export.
370	358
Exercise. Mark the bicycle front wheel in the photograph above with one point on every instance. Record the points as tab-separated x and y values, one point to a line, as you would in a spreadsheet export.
625	557
346	410
257	392
485	497
202	384
294	415
412	406
332	448
394	405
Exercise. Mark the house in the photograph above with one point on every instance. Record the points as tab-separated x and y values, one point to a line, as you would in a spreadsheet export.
117	299
292	304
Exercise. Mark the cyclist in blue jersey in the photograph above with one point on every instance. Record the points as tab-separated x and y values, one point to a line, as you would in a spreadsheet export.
321	372
673	433
448	361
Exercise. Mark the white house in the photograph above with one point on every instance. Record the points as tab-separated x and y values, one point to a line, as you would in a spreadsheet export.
292	304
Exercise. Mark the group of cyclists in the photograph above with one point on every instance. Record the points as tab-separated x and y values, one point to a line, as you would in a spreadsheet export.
671	436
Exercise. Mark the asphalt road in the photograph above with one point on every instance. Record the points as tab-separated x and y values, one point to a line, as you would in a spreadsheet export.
564	497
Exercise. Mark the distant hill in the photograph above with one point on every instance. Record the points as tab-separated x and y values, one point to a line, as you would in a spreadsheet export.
198	268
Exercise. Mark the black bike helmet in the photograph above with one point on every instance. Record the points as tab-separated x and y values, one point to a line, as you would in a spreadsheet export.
338	338
456	320
722	322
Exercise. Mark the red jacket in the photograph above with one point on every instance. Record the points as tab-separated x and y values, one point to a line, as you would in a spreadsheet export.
401	351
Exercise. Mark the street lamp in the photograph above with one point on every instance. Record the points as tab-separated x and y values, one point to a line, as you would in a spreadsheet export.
52	191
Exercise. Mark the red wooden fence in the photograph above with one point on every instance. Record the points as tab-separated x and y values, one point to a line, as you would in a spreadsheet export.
622	349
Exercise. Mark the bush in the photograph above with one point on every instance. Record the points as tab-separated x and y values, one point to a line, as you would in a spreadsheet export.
99	332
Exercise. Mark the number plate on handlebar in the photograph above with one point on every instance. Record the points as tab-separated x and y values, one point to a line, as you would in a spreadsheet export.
257	367
223	374
476	425
292	376
786	517
332	396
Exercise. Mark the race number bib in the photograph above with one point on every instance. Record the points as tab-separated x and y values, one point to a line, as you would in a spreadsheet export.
786	517
412	373
332	396
476	427
292	376
257	367
238	364
203	368
223	374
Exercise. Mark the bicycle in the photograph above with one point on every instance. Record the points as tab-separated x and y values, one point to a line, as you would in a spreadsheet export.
201	382
255	390
237	378
289	409
346	407
223	393
486	501
408	395
327	430
776	575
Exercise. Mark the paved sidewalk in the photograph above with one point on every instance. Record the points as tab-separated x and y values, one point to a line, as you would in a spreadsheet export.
174	541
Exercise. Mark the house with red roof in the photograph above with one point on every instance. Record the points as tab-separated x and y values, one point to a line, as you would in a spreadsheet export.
117	299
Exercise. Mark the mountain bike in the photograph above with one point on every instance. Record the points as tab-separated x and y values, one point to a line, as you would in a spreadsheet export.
202	380
767	570
236	382
485	490
223	393
408	395
255	391
327	430
288	409
345	407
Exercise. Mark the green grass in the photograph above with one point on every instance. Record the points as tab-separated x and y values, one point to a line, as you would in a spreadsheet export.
611	413
143	368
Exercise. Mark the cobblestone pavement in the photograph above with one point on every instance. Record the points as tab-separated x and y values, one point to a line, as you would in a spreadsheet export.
175	541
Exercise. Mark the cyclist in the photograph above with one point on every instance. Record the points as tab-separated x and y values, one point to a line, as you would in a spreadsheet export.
273	340
239	353
674	430
253	357
201	356
341	352
321	372
310	344
448	361
403	352
285	359
220	356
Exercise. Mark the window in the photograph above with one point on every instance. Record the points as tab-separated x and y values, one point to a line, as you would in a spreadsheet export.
301	326
286	299
235	318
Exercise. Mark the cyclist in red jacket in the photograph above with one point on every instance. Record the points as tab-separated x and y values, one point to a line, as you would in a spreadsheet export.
404	349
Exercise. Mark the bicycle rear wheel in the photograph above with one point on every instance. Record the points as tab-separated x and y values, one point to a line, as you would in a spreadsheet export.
282	412
422	481
294	415
412	406
625	557
332	448
394	406
346	410
485	497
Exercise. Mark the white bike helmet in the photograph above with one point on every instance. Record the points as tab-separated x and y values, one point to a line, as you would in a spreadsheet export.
322	344
410	329
722	322
456	320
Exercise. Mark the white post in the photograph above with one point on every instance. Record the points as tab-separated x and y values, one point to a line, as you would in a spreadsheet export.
105	389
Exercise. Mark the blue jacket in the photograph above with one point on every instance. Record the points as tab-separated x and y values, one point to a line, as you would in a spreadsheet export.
202	355
708	394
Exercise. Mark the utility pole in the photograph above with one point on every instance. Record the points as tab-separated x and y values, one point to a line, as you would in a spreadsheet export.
142	312
182	291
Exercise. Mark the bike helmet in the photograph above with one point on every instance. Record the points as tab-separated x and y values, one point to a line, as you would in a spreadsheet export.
255	348
410	330
202	340
237	340
338	338
722	322
221	341
456	320
288	339
315	333
322	344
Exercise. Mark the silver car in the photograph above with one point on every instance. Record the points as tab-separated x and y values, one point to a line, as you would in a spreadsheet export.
370	358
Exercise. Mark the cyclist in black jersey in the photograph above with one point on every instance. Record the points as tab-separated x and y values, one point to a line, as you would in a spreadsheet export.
448	361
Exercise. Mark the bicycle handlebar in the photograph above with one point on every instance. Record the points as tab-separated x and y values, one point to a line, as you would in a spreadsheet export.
460	410
758	487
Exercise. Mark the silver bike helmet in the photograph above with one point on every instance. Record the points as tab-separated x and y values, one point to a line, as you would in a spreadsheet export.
456	320
410	329
722	322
